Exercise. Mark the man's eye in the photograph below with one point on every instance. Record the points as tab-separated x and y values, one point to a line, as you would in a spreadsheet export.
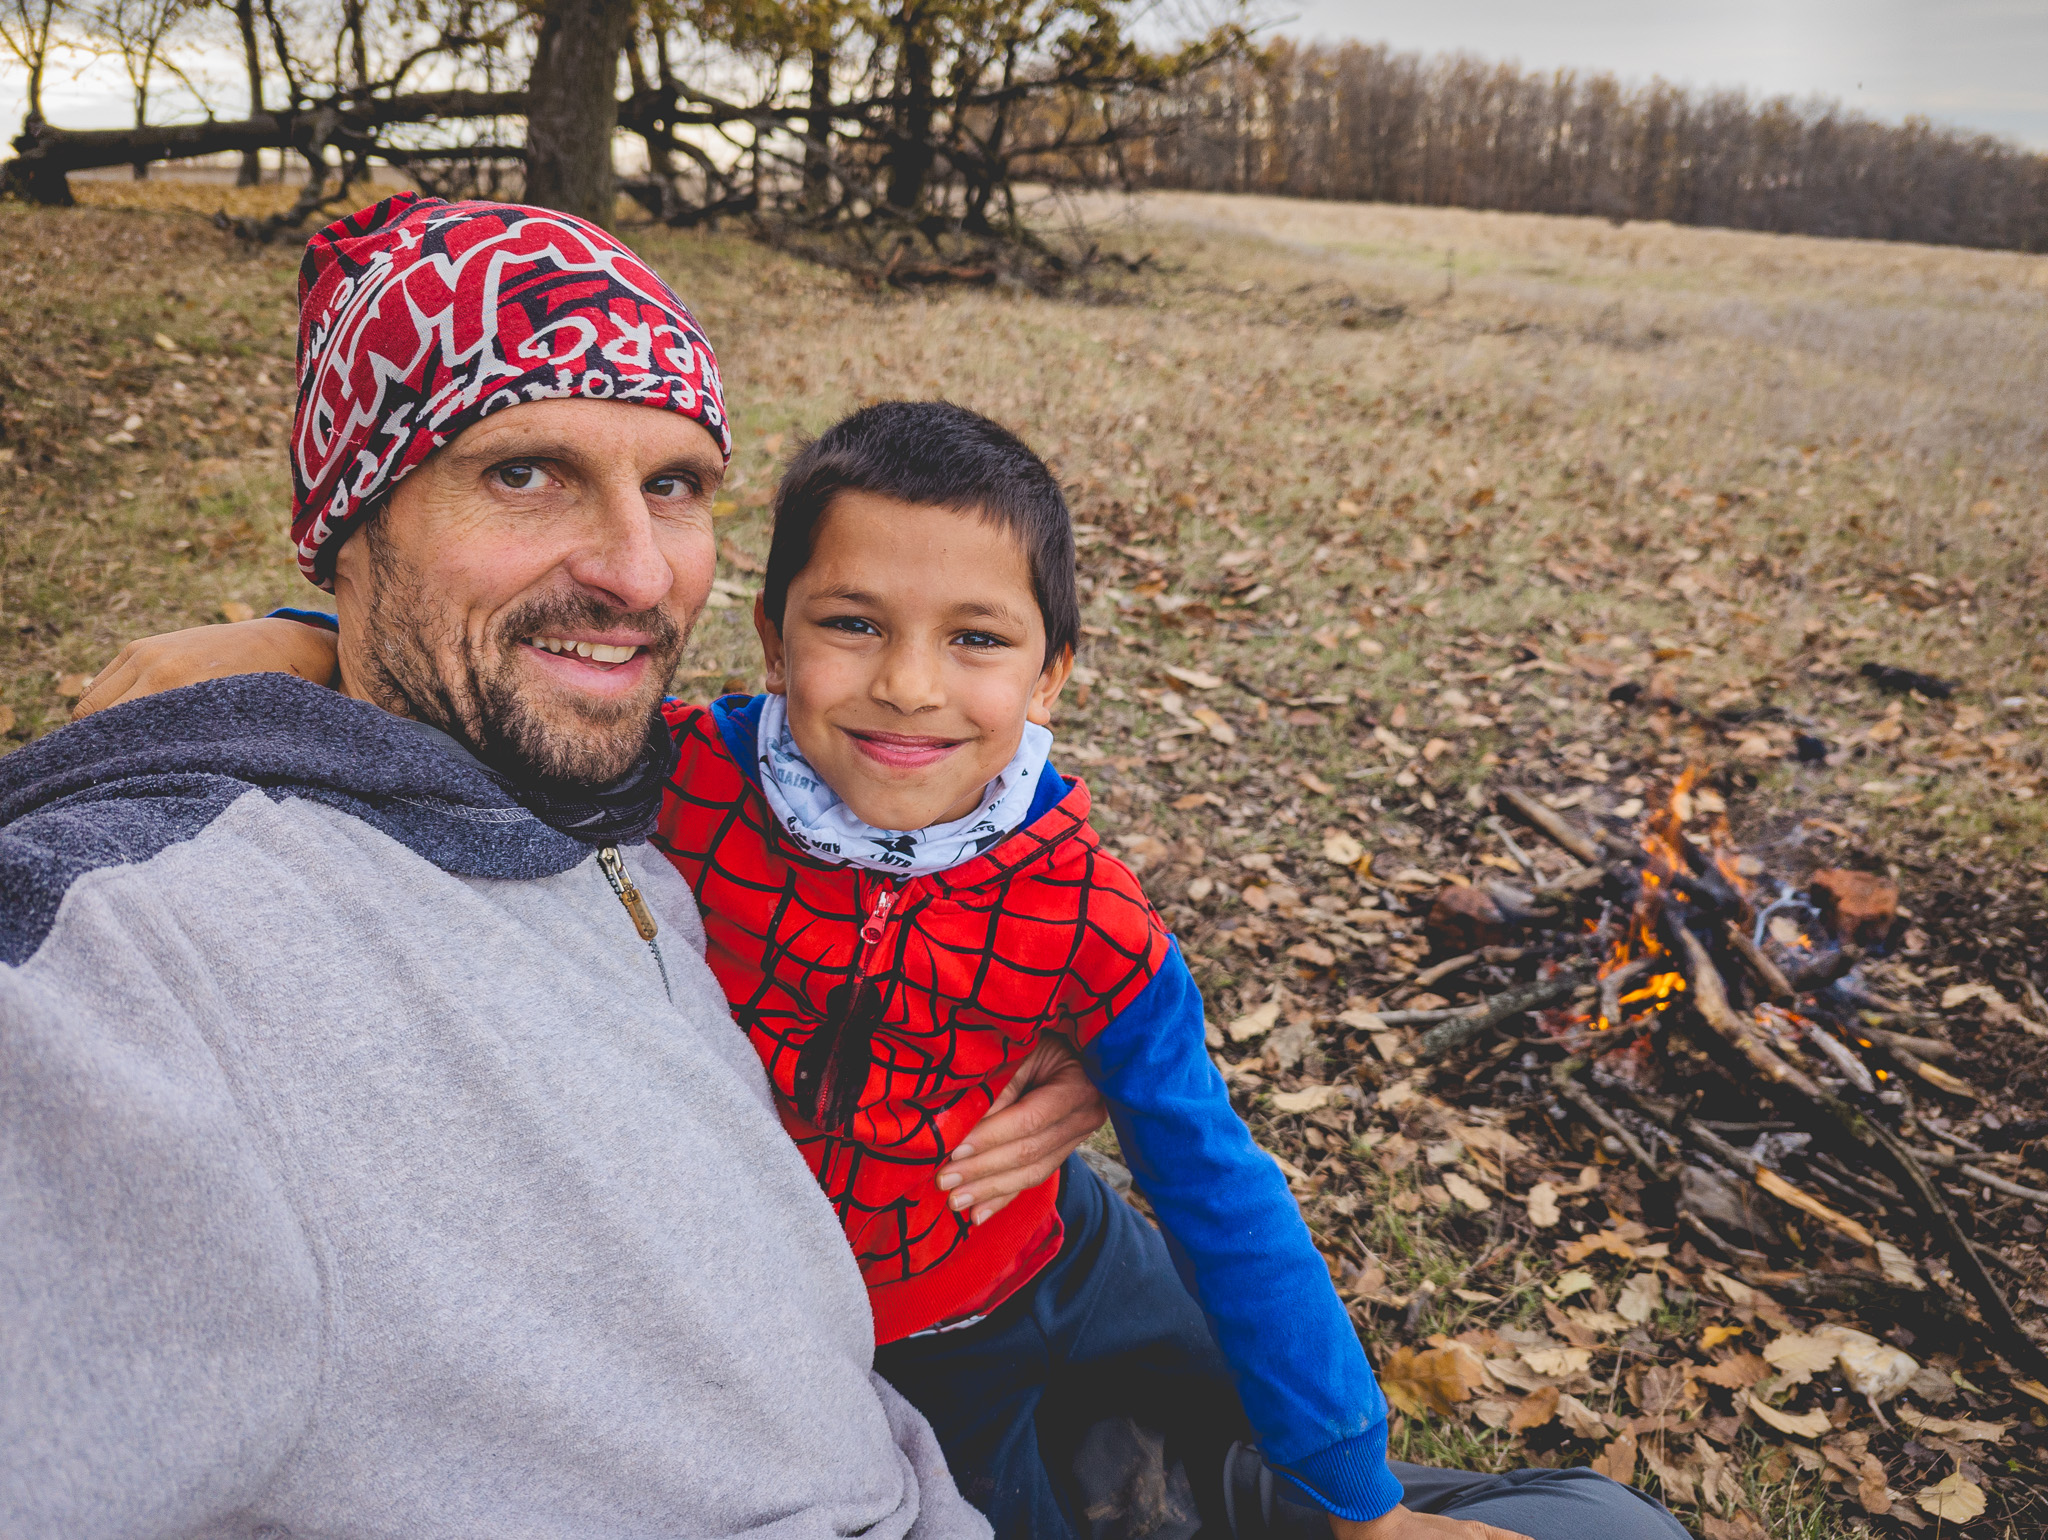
669	486
519	477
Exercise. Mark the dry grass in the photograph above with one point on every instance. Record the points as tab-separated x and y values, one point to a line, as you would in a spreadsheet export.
1729	468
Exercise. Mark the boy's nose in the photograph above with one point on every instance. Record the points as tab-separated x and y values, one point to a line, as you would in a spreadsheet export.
909	680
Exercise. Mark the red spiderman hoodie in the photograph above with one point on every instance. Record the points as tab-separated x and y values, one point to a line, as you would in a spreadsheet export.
891	1012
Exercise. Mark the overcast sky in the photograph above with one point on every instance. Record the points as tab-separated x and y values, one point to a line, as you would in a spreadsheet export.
1977	63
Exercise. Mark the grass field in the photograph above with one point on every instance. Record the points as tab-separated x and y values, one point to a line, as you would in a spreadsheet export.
1419	492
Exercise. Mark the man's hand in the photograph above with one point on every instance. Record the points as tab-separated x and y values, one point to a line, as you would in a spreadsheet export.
1044	1114
178	658
1405	1524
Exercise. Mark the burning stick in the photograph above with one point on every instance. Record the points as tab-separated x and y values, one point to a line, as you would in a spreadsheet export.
1710	1000
1776	986
1853	1069
1617	983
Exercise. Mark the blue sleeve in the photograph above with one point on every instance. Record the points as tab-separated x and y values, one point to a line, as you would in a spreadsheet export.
1303	1377
320	618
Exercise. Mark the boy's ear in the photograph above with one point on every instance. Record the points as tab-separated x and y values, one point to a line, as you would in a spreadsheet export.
1046	692
771	647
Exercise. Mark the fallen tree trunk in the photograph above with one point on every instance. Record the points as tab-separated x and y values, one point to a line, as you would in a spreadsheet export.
45	155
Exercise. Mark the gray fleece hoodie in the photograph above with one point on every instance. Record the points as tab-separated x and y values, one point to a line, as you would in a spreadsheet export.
361	1175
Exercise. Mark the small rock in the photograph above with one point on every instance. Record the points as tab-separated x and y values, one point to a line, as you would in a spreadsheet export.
1858	906
1463	920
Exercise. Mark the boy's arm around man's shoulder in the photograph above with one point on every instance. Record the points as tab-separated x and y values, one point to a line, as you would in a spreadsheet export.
1303	1377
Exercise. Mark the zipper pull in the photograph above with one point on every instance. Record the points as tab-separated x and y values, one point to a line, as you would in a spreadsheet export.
878	917
615	873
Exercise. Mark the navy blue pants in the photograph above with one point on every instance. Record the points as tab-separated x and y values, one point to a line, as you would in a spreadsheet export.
1094	1405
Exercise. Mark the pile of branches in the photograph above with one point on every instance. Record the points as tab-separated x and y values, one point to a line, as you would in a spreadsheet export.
1711	1023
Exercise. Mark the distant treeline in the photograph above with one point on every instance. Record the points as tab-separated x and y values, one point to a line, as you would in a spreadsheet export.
1357	121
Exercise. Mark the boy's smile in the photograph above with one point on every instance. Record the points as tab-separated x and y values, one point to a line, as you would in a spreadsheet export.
912	654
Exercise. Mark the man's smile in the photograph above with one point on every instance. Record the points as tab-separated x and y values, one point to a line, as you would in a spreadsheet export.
592	662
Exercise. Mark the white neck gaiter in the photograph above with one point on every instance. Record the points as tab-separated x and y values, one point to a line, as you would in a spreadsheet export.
822	825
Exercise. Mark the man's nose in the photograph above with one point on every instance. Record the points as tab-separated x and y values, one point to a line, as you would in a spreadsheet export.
621	559
910	677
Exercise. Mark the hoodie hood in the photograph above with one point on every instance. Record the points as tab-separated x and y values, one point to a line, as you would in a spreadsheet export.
128	782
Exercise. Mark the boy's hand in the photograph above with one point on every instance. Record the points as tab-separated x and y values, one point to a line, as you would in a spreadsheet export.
1406	1524
1043	1115
178	658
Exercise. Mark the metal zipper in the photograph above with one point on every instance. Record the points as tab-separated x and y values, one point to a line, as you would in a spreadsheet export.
614	868
871	929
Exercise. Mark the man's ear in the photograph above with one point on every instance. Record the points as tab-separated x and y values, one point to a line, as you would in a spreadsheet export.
771	647
1051	680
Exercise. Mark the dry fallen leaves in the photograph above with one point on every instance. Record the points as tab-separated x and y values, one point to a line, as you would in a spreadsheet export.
1558	1363
1534	1409
1798	1358
1640	1297
1254	1023
1433	1380
1737	1373
73	685
1800	1425
1466	1192
1956	1498
1342	849
1580	1419
1618	1460
1740	1526
236	610
1542	1201
1960	1428
1605	1240
1307	1099
1577	1281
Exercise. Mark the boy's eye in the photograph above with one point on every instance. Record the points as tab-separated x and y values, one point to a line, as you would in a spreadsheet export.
981	639
852	624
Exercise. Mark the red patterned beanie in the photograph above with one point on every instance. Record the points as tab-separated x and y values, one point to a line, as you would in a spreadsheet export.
418	317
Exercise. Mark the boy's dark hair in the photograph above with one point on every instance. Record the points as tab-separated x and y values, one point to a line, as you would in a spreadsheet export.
935	454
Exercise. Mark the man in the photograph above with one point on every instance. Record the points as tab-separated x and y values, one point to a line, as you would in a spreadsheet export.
377	1155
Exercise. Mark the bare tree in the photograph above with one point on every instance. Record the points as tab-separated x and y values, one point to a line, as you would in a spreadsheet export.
25	30
138	31
252	61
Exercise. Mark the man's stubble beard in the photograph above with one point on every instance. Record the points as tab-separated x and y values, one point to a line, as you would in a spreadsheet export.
583	742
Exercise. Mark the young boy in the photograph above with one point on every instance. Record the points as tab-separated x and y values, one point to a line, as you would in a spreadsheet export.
902	898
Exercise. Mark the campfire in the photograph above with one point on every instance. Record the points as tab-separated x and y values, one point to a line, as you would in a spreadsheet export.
1713	1022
